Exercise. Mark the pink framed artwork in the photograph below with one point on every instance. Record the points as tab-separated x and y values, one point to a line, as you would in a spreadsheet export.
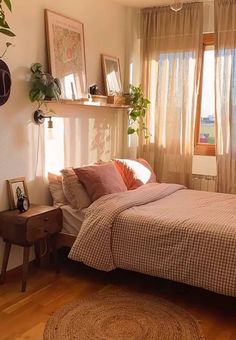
66	54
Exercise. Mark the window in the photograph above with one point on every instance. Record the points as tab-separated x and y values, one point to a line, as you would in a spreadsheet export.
205	119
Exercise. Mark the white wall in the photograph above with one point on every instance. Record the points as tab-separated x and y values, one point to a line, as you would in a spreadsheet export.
104	26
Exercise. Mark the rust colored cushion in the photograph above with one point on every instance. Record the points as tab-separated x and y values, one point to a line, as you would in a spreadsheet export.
142	170
127	175
100	180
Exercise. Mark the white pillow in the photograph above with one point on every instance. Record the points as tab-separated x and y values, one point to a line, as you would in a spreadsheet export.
74	190
56	190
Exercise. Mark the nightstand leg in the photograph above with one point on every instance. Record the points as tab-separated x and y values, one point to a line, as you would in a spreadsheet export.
53	241
25	268
37	253
5	261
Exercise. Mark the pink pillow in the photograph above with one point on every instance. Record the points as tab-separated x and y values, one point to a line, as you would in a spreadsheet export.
100	180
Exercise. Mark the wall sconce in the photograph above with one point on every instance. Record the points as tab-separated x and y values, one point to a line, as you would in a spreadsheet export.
39	118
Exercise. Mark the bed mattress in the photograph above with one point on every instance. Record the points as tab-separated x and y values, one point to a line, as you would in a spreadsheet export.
163	230
72	220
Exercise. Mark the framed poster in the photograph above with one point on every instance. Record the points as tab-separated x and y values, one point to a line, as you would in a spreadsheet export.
111	74
66	54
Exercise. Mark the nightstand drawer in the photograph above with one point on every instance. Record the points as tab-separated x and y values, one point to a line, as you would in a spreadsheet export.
41	225
41	232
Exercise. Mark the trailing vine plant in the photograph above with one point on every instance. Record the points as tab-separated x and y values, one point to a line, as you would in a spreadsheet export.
137	111
4	27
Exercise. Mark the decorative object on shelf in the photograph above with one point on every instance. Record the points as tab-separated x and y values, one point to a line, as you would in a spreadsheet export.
16	189
176	5
137	111
22	203
5	75
112	75
66	53
119	100
94	90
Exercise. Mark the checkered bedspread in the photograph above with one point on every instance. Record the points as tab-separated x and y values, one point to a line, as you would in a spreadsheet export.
163	230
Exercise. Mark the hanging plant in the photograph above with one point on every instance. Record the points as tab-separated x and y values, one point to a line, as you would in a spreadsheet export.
44	85
4	27
5	75
137	111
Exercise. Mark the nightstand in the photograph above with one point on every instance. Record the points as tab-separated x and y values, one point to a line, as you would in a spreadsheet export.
27	229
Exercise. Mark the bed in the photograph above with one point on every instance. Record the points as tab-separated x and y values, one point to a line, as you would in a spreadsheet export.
72	222
164	230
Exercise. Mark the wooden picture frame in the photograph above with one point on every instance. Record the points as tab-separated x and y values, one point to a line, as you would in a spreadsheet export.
111	75
66	54
13	186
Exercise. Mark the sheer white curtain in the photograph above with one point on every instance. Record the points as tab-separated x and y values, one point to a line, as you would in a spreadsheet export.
171	54
225	34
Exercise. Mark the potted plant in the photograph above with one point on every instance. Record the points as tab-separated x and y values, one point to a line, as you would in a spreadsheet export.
5	75
137	111
44	86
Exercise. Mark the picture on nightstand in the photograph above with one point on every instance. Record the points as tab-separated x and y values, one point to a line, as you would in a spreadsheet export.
16	189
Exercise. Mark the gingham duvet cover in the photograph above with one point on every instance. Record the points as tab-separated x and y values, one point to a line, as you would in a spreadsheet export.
163	230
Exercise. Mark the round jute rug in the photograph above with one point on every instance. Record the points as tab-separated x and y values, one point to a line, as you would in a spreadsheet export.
115	314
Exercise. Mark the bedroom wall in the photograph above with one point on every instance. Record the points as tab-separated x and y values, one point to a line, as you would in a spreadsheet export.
104	26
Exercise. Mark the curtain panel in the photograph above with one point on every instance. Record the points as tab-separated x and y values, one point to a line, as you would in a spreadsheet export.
225	87
171	56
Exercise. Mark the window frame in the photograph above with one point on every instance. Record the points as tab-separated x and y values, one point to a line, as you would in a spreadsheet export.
202	148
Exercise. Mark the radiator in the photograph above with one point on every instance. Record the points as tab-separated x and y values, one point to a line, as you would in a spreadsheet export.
204	183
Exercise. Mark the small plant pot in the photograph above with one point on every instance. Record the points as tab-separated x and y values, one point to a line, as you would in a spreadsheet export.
5	82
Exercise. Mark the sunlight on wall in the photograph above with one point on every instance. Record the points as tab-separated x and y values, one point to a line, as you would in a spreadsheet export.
54	146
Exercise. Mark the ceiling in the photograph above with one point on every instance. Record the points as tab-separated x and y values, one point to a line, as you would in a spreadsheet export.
142	3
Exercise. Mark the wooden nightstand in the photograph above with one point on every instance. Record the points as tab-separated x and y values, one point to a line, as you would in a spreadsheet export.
27	229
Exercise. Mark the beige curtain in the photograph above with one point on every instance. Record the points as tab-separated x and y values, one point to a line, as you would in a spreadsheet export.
225	32
171	54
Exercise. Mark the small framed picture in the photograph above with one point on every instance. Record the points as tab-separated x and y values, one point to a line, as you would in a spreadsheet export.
16	188
112	75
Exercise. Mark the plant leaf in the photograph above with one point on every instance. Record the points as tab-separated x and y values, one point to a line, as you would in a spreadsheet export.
8	4
36	95
3	23
130	131
7	32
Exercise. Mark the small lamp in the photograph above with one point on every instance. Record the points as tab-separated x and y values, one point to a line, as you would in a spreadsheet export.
39	118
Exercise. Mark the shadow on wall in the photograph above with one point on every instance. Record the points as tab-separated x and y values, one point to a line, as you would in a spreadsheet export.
101	142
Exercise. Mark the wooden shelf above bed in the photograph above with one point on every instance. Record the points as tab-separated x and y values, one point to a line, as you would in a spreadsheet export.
87	104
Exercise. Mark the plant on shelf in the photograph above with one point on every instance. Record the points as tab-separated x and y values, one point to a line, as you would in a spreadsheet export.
4	27
137	111
44	86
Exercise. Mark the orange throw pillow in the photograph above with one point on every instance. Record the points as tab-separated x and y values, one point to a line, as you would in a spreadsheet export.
127	175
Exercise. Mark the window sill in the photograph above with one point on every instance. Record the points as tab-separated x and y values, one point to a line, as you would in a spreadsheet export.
205	149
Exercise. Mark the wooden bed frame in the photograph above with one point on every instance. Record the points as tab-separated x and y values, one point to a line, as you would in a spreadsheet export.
65	240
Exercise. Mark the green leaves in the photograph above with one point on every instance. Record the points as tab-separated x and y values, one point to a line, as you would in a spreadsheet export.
8	4
44	86
4	27
7	32
36	94
137	112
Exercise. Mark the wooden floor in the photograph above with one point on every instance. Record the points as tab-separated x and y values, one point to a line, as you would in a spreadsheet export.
23	315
